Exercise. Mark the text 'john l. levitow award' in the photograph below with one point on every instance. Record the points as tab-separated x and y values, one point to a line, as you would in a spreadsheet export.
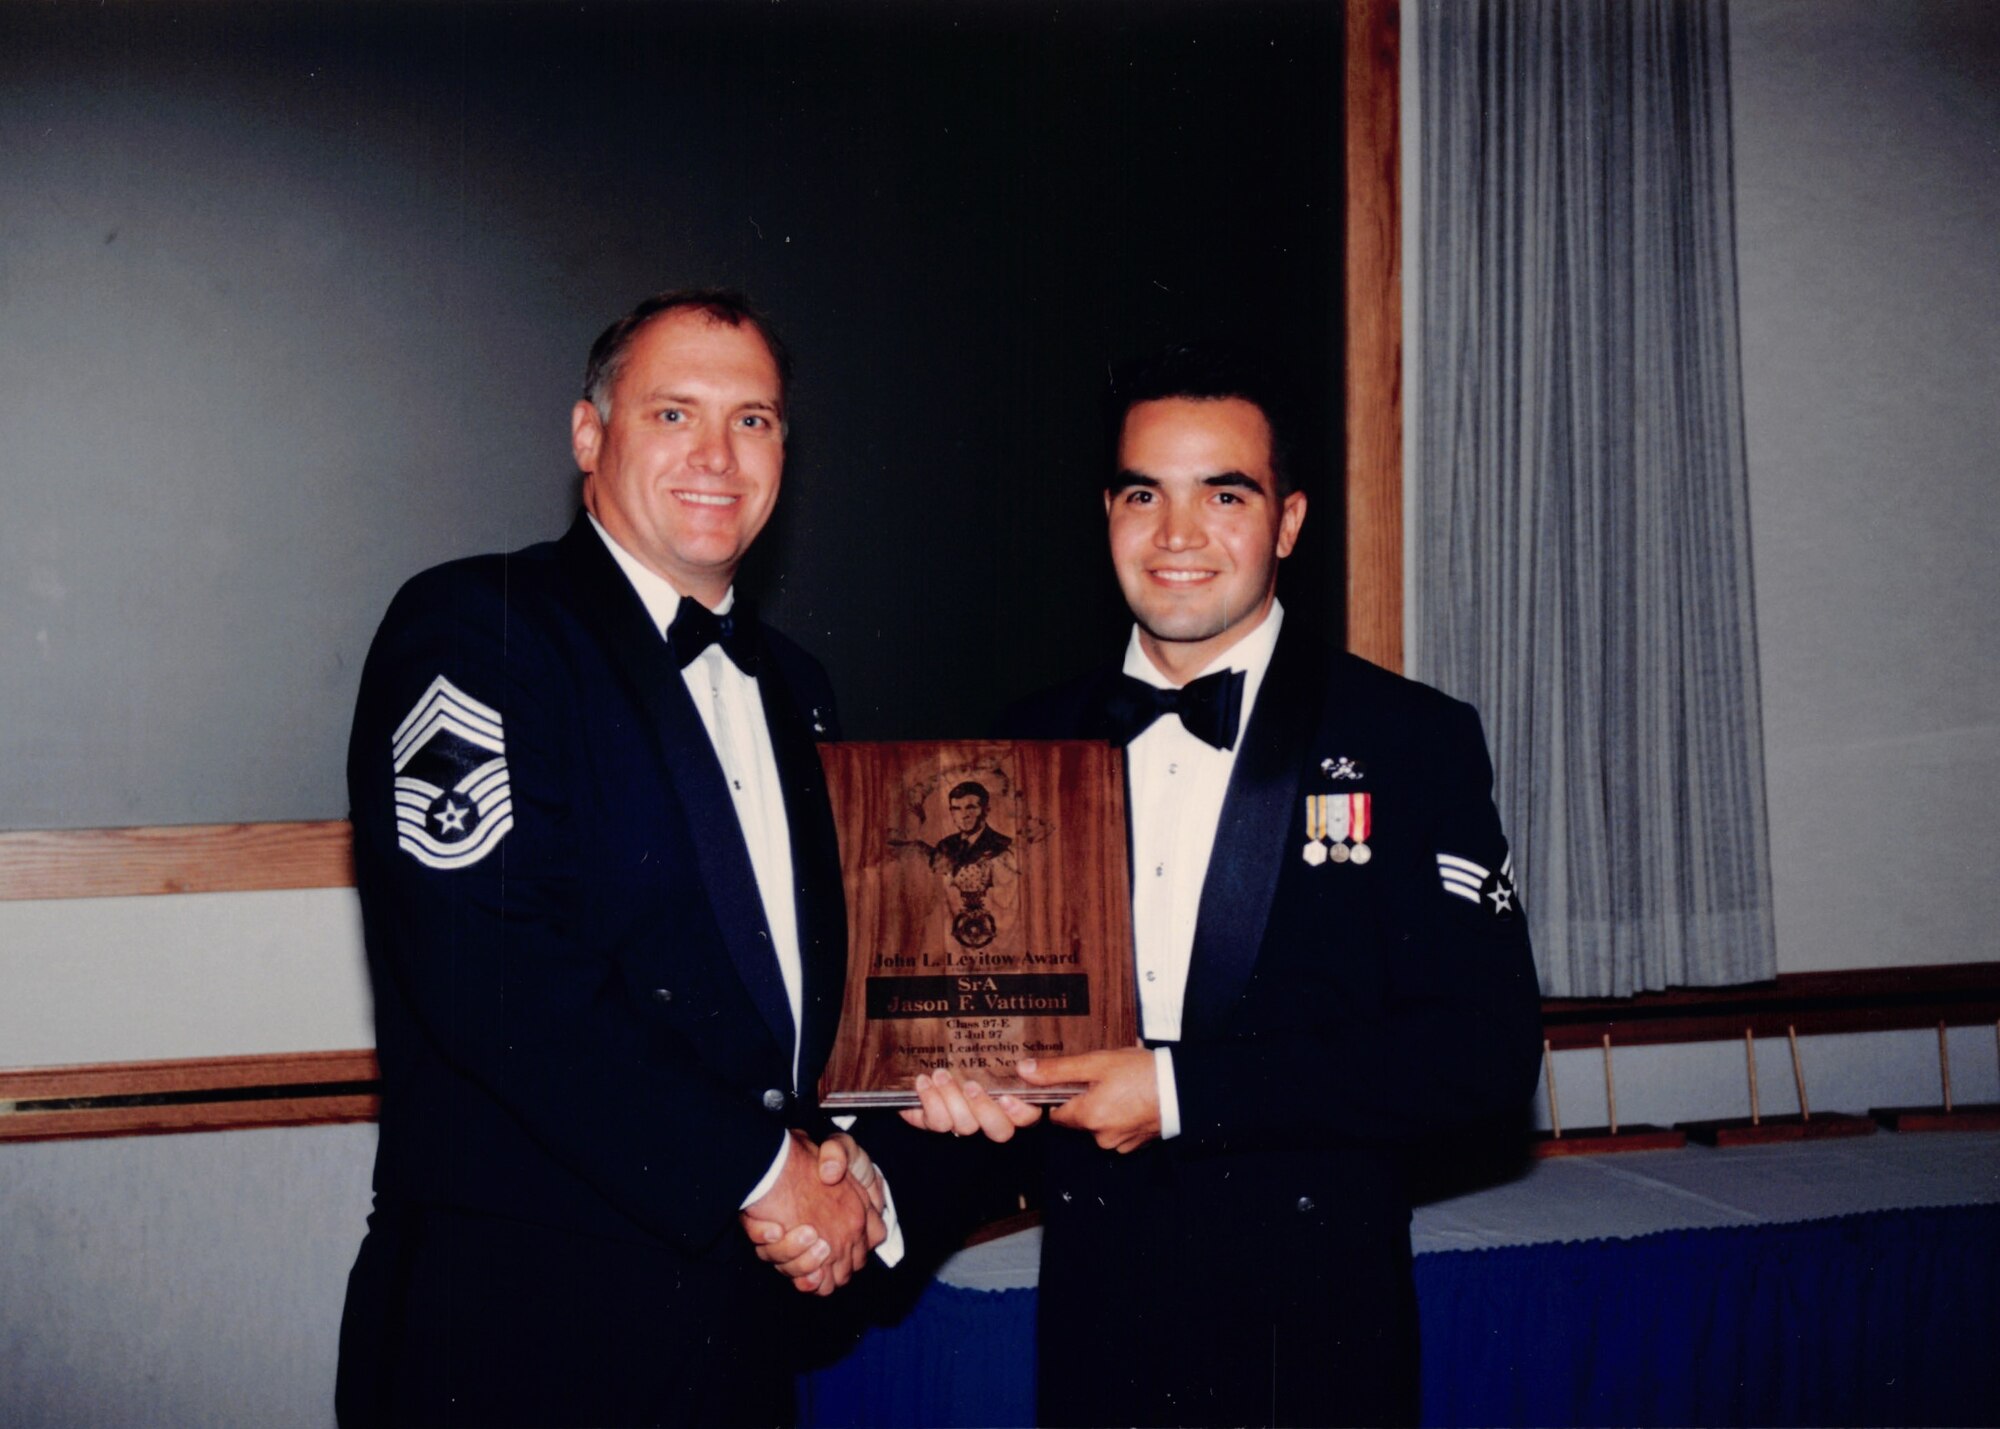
988	912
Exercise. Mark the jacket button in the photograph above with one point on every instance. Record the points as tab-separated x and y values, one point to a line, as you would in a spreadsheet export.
774	1100
1306	1206
663	994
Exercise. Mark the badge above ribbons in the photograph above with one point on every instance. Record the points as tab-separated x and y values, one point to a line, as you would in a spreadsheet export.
1337	828
453	801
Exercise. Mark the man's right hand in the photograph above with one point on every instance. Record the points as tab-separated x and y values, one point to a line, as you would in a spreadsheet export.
825	1230
965	1108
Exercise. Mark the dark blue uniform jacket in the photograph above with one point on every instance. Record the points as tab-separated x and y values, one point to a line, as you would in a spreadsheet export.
1256	1269
586	1051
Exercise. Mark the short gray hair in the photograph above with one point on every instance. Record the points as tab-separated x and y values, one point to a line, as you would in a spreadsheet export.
731	309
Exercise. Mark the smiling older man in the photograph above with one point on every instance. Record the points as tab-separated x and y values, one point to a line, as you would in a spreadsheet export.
606	932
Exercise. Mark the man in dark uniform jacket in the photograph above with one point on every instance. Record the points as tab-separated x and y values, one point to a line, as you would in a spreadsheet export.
606	933
1332	965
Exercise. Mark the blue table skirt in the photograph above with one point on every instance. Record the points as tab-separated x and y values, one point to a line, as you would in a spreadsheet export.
1892	1317
1887	1318
960	1358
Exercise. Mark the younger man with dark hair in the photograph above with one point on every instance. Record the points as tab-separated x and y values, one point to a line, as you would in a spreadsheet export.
1331	964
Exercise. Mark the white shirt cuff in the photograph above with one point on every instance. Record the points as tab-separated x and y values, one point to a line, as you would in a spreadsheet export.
890	1251
1170	1097
763	1188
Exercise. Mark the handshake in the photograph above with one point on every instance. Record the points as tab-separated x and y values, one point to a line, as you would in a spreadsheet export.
827	1211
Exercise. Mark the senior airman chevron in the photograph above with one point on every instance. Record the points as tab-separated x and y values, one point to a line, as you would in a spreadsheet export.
453	801
1475	883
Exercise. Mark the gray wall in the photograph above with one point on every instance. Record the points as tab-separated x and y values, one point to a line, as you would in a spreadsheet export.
294	301
178	1280
262	356
1868	203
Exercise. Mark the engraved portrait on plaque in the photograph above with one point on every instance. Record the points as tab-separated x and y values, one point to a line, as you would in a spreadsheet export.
968	860
987	912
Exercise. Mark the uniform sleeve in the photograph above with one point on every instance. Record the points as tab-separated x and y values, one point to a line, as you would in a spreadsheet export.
1454	1038
461	770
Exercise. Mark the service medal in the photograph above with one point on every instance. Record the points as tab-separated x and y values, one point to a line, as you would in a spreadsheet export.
1337	821
1314	852
1361	823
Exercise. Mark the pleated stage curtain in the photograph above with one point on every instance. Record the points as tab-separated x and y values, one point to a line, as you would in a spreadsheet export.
1580	551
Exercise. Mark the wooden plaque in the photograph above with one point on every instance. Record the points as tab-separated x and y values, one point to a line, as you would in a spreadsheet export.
988	913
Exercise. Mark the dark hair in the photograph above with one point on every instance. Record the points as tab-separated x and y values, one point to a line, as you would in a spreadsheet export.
1207	372
973	787
732	309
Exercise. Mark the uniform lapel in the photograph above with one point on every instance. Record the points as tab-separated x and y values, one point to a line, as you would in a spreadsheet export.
619	619
1253	835
819	904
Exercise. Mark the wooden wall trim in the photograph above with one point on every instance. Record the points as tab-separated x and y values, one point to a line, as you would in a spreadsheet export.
188	858
1374	368
1862	1000
320	1088
199	1094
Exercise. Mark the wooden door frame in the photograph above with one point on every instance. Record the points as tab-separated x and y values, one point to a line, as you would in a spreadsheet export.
1373	377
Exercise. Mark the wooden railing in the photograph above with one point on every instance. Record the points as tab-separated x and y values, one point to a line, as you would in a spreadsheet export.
1863	1000
312	1088
196	1094
199	1094
187	858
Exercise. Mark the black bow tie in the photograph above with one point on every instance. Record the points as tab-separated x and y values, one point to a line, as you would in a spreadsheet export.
1209	707
696	627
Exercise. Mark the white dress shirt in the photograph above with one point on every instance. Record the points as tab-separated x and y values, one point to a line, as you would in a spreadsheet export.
1177	784
732	711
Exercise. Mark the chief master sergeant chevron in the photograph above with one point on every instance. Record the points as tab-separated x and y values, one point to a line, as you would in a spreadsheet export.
606	934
